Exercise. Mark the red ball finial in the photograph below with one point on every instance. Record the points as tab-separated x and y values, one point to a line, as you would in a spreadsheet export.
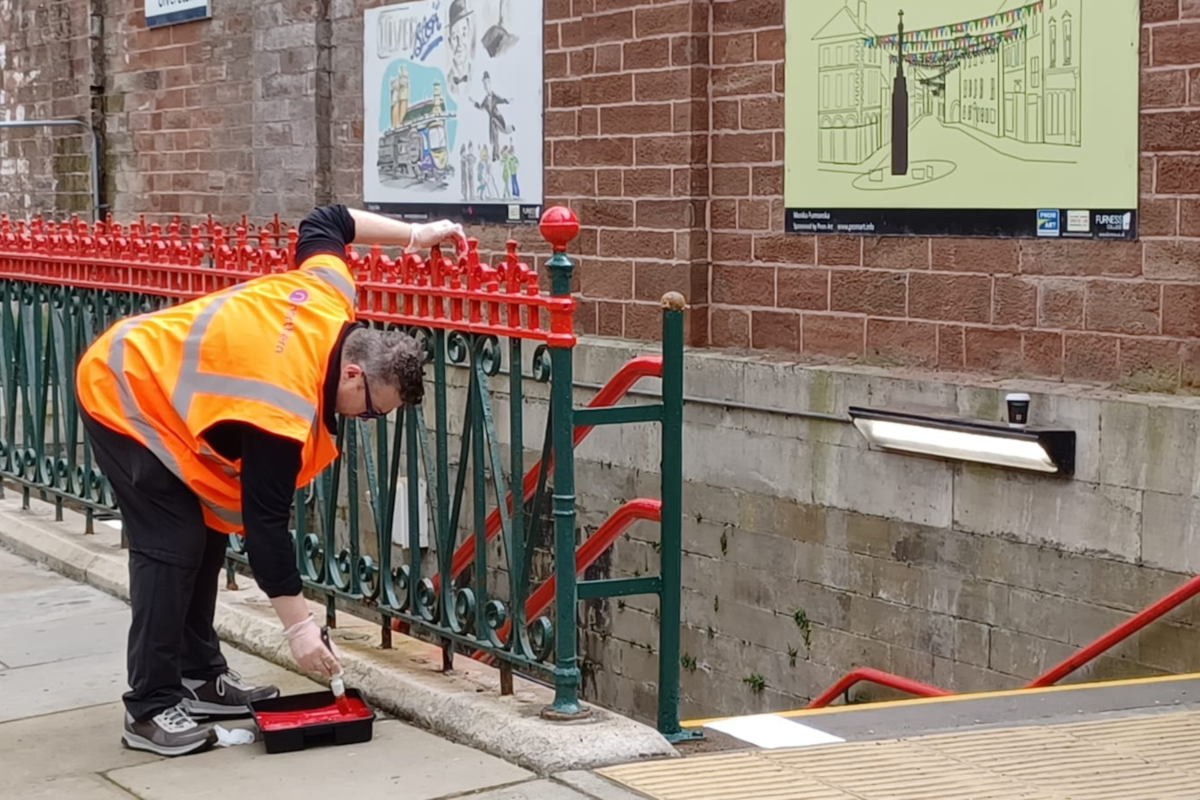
559	226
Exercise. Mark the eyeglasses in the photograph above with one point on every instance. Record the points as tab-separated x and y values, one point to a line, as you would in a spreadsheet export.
370	413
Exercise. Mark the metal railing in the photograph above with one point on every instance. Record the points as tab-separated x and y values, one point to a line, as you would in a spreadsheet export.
1085	655
470	585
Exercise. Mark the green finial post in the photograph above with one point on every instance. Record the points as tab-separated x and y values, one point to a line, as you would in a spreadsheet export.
559	226
671	551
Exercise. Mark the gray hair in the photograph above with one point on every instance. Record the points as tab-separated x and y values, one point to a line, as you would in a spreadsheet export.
388	358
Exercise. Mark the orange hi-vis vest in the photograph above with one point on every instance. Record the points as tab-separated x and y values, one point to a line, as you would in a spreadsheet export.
256	353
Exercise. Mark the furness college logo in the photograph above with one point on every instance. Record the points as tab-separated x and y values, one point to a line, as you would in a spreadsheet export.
297	299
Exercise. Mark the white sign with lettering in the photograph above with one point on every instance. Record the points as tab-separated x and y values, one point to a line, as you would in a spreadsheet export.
172	12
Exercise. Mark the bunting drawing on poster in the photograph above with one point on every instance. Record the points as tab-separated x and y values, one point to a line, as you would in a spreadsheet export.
452	103
973	117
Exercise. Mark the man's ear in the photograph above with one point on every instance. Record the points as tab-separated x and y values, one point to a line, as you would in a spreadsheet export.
351	371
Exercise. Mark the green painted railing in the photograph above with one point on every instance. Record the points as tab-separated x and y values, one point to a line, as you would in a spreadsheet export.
499	355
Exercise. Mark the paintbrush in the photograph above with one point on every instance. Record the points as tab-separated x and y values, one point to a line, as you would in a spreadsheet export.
336	684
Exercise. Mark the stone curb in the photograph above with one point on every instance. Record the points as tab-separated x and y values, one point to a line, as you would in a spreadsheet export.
406	681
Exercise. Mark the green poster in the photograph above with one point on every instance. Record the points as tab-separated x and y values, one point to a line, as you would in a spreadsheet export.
962	117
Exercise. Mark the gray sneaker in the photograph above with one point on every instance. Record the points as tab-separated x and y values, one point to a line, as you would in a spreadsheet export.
170	733
224	696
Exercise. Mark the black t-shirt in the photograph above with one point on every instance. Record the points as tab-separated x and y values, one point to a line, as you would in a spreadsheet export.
270	463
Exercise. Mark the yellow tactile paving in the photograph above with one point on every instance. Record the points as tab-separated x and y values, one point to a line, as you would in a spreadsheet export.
1142	758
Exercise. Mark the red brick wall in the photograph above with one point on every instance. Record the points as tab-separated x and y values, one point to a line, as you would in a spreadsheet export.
46	71
664	130
215	117
1089	311
1093	311
664	126
627	145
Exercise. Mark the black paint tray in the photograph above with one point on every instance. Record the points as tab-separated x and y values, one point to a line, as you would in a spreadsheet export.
283	735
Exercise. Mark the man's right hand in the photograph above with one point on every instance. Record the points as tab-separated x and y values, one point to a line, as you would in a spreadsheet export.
426	235
310	653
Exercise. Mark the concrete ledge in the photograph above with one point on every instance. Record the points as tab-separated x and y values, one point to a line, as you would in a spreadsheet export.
406	681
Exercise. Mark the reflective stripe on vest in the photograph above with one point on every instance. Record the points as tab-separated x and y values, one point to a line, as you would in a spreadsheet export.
154	442
191	380
337	280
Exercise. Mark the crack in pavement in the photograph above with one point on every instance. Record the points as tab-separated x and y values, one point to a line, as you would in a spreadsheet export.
108	779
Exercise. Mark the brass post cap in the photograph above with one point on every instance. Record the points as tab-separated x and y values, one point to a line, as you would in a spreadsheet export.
673	301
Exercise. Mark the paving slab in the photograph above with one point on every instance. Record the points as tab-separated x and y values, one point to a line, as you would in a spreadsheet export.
23	645
536	790
400	760
596	787
52	604
18	575
31	750
76	787
61	686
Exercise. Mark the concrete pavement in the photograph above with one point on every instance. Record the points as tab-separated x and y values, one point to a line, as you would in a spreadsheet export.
465	705
62	672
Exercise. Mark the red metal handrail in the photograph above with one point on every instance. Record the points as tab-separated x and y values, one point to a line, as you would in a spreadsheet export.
1098	647
629	513
868	675
617	387
1120	633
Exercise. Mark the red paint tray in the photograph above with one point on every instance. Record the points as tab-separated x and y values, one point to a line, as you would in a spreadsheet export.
293	723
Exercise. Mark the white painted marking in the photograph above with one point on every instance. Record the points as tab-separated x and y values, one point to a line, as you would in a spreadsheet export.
769	732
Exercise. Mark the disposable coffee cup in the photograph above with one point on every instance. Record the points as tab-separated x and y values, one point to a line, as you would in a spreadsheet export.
1018	409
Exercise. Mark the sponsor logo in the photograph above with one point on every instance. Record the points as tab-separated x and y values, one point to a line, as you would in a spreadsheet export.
297	299
1079	222
1114	223
1047	222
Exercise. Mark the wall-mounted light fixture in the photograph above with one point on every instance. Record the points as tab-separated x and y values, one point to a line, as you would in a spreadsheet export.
1001	444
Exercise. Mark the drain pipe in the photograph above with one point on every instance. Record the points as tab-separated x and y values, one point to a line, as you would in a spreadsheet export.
91	132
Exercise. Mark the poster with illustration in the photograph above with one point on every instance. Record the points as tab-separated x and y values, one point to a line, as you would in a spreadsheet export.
962	118
452	102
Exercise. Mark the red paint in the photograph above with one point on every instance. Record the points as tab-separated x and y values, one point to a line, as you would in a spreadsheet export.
458	291
286	720
345	706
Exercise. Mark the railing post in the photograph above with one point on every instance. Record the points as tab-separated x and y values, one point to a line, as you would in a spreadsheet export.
559	226
670	552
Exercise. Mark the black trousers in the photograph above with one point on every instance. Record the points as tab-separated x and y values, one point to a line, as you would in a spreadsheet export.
174	564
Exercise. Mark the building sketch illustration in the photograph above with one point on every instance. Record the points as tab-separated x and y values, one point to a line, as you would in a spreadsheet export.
446	85
1013	76
912	103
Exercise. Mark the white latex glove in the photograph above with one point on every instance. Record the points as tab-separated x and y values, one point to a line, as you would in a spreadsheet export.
426	235
310	653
